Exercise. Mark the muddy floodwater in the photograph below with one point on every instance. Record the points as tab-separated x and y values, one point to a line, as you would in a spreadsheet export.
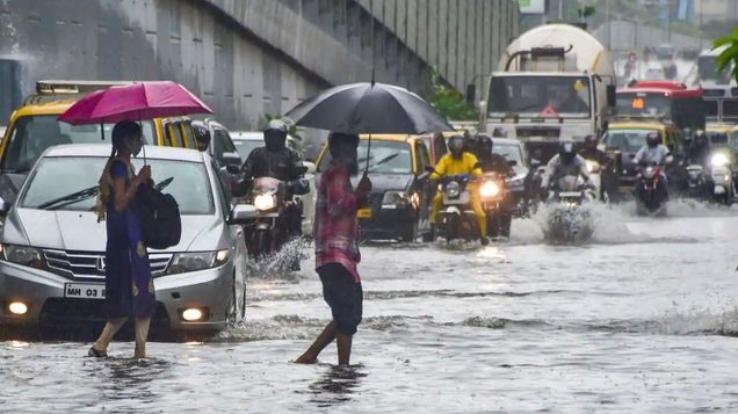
641	319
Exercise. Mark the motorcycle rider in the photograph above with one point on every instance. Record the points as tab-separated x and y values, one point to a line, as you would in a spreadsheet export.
699	150
566	162
654	152
458	161
592	153
488	161
275	160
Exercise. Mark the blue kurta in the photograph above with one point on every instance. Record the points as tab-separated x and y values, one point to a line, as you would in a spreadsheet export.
129	289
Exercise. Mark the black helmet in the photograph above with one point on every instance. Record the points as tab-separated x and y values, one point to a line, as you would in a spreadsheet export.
456	145
590	141
653	139
275	135
566	151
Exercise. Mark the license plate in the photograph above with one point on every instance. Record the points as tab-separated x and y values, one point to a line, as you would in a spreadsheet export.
84	290
364	213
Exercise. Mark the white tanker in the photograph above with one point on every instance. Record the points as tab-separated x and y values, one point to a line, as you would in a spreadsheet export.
554	81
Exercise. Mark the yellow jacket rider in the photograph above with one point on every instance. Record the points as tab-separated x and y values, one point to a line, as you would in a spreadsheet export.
456	162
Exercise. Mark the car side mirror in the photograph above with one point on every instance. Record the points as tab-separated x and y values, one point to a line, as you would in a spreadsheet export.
241	213
512	163
232	159
310	167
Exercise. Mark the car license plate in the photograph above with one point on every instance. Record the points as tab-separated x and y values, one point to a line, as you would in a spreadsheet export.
364	213
84	290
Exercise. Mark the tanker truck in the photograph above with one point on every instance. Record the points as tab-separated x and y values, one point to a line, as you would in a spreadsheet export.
553	82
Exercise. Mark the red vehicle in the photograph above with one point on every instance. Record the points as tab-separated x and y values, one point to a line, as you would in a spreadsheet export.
663	99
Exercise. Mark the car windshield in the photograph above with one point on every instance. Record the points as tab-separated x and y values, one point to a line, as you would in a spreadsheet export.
57	177
511	152
540	96
643	104
245	146
718	138
627	140
32	135
386	157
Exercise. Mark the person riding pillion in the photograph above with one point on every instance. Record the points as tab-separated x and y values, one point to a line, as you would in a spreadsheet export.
566	162
458	162
275	160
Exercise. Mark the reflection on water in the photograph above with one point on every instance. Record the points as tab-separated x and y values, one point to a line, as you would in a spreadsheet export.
643	319
336	385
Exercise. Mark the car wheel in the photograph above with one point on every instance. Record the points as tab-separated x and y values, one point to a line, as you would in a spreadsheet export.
233	311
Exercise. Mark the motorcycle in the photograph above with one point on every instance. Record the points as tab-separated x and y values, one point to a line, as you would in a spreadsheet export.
569	219
696	182
721	176
268	227
456	219
595	175
492	192
650	191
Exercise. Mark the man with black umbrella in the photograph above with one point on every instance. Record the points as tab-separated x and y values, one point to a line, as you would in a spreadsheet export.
337	248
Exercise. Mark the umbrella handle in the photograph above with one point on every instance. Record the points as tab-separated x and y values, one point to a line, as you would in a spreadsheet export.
368	150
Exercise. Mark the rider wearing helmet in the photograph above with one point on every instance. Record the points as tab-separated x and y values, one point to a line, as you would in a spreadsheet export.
275	160
699	150
457	162
488	160
566	162
654	152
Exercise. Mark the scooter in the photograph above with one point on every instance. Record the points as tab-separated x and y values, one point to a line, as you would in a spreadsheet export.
721	177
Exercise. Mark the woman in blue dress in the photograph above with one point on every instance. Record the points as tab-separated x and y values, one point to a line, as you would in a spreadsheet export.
129	289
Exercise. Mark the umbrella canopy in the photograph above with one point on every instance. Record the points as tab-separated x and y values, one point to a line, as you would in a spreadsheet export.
369	108
137	101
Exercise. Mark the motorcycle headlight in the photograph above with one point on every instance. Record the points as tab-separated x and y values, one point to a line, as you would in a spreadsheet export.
192	262
264	202
489	189
453	189
719	160
22	255
592	166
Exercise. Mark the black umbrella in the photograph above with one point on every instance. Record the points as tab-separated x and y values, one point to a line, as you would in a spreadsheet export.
369	108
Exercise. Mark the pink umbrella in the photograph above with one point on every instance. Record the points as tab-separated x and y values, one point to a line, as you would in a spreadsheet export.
137	101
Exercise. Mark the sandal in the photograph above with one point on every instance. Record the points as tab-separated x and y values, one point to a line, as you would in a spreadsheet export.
97	354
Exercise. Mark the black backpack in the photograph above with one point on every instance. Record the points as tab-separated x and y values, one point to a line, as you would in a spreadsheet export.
161	223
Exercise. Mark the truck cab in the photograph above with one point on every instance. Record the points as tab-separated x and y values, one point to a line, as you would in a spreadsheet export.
554	81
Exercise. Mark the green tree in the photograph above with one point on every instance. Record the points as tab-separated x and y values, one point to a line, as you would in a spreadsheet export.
730	54
449	102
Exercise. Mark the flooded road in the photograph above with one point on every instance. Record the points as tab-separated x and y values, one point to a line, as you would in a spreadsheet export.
642	319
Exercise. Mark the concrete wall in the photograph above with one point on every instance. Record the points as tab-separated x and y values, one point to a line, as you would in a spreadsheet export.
248	58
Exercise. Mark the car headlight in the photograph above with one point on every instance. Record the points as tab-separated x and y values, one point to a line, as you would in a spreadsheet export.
264	202
22	255
489	189
192	262
453	189
719	160
592	166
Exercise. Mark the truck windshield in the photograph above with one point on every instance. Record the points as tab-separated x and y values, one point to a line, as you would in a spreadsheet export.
32	135
540	96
